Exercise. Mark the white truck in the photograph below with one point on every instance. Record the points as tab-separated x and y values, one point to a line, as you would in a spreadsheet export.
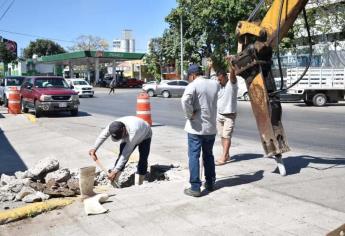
81	86
319	85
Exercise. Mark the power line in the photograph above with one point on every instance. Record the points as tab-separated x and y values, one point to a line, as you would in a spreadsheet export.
53	39
3	4
35	36
8	8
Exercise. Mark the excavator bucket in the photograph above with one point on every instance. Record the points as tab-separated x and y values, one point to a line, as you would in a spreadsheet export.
267	113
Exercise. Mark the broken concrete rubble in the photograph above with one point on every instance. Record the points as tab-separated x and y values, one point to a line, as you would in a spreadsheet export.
38	186
45	180
35	188
35	197
21	174
43	196
60	191
127	177
6	179
43	167
6	196
16	185
61	175
24	192
73	184
101	178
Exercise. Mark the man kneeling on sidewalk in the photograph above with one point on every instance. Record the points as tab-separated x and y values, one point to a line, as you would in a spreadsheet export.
133	132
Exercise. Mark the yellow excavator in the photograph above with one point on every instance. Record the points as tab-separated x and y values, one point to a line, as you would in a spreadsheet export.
256	42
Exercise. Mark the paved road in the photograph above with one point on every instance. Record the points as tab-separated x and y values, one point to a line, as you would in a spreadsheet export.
320	129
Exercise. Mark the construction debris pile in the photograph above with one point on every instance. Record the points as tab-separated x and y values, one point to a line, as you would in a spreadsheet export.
156	173
47	180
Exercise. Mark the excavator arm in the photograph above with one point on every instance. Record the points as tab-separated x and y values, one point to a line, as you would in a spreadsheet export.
253	62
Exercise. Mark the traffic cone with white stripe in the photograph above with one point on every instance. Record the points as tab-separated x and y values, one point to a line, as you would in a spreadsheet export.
144	107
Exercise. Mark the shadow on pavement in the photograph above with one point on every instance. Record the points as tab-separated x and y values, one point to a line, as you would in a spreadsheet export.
10	161
157	125
327	105
245	157
295	164
239	179
62	114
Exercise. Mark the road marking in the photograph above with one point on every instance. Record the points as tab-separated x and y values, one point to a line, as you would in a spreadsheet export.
31	118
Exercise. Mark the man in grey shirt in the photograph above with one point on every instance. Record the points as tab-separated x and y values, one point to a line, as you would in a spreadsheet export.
133	132
227	108
199	103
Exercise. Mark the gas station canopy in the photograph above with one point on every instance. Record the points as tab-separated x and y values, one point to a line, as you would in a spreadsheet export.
86	57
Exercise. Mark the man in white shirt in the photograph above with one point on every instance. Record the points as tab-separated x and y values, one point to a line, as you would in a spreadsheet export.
199	104
226	109
132	132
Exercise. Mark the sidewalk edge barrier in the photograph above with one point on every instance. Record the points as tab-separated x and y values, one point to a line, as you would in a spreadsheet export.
33	209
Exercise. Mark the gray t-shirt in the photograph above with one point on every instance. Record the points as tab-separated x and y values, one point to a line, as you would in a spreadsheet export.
227	98
138	130
199	103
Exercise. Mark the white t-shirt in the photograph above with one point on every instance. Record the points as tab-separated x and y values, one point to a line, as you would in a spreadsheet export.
227	98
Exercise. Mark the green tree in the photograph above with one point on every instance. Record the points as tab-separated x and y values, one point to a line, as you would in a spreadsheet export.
154	58
209	27
42	47
89	42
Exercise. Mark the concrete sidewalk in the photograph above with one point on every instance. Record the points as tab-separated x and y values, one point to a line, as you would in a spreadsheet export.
250	198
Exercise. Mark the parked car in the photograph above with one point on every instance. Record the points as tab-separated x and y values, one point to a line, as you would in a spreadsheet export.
48	93
134	83
81	86
284	96
6	83
242	89
166	88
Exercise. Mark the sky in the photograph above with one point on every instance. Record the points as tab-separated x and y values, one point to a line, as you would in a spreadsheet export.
68	19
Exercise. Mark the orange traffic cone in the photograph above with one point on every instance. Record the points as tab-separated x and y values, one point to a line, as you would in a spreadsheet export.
144	107
14	101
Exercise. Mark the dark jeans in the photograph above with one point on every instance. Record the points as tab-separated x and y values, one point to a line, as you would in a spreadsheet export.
112	89
196	144
144	151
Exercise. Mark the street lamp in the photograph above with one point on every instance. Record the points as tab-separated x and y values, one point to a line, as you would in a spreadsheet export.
181	27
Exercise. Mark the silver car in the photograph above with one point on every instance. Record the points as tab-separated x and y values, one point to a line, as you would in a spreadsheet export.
166	88
6	83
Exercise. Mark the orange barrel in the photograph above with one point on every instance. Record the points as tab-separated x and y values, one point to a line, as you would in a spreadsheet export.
144	107
13	101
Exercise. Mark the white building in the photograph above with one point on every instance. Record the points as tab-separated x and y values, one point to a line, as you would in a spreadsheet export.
126	43
327	33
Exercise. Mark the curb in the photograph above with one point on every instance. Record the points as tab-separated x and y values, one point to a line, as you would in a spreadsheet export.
32	209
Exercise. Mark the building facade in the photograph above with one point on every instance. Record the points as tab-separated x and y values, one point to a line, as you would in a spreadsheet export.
126	43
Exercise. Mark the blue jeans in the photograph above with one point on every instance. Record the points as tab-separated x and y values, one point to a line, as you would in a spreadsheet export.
196	144
144	151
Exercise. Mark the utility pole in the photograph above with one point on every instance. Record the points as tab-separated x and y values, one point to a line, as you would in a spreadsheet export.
181	27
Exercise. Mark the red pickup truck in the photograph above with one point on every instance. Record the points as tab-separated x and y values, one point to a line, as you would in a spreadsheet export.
134	83
48	93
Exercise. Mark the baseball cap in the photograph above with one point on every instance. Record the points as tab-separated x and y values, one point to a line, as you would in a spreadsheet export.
116	129
194	68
